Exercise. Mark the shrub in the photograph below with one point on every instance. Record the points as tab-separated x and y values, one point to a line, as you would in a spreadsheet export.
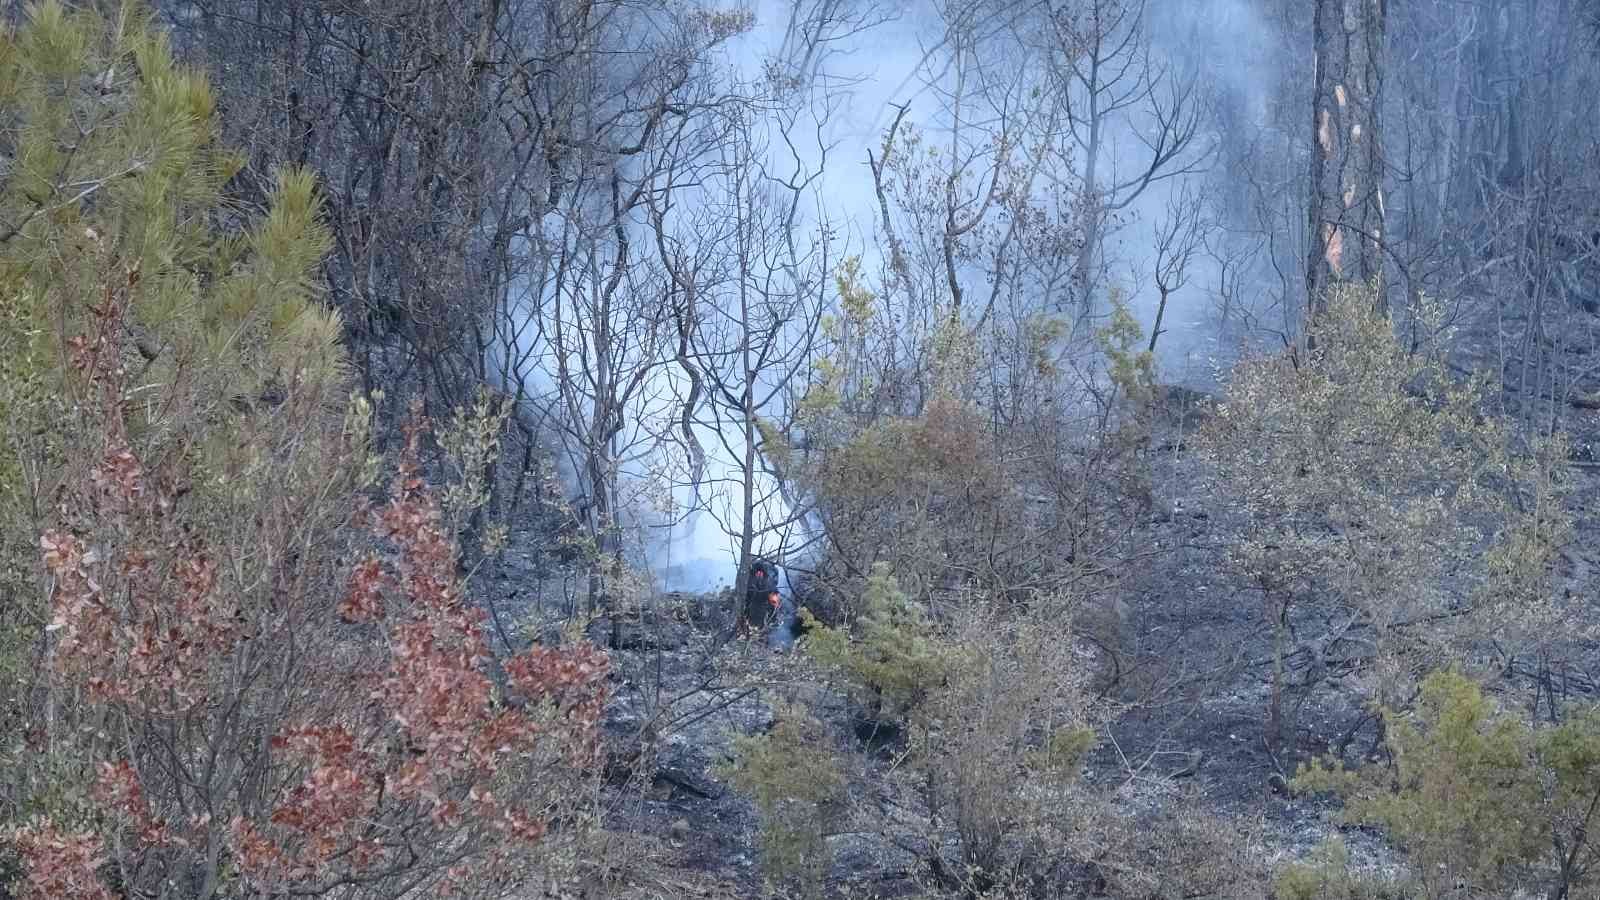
1004	737
1379	497
797	784
1177	851
996	710
1001	459
893	656
933	481
1479	797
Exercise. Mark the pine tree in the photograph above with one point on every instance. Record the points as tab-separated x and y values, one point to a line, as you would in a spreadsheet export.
113	176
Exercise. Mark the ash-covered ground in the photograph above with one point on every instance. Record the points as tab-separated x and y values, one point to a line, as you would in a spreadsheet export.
1183	666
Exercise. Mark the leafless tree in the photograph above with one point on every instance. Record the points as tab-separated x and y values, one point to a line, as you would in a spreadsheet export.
748	338
1178	240
1132	120
973	227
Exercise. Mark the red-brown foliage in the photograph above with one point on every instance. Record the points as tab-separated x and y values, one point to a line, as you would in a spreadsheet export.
61	864
389	757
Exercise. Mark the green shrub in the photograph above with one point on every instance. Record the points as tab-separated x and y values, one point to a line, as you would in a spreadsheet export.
1478	796
892	656
797	784
238	675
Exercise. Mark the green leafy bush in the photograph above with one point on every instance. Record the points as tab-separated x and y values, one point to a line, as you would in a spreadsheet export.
1328	875
1478	797
798	786
892	656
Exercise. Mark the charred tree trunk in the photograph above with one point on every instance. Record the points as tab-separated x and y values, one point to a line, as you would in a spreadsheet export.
1346	204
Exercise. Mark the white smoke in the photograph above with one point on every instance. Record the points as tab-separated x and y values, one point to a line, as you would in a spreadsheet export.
687	535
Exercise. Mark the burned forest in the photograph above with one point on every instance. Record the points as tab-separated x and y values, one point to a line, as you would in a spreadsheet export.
799	449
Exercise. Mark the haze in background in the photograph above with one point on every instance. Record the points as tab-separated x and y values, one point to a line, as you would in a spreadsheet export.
862	78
